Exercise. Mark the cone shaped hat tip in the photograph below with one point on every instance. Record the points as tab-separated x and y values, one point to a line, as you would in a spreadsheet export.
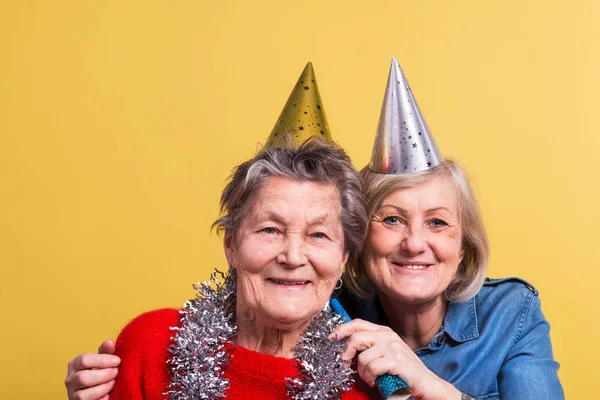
403	143
303	115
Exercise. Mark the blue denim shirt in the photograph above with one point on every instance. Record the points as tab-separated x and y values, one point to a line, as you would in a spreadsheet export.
493	346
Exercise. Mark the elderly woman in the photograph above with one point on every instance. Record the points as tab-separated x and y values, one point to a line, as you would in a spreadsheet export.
424	309
292	217
428	314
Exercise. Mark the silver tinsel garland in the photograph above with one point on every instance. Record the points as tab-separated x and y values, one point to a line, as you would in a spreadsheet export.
207	324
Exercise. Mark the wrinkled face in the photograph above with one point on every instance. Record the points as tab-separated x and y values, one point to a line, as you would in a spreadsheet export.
414	243
288	252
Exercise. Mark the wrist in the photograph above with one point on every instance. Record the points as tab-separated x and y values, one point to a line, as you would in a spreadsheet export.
436	389
453	393
447	391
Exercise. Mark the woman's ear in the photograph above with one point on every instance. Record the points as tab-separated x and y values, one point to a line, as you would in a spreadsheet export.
345	260
229	247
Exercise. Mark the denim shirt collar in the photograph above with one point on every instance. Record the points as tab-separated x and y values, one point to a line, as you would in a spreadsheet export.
460	322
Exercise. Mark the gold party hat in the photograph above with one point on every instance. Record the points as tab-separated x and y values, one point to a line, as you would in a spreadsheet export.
303	115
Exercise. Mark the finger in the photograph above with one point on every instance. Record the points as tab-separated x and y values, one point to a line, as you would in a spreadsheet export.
89	360
107	347
367	357
359	341
353	326
93	377
70	368
95	393
375	368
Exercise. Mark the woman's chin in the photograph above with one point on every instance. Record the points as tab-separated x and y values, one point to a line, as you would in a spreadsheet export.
289	318
412	295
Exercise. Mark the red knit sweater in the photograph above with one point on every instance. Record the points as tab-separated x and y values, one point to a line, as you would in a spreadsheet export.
144	373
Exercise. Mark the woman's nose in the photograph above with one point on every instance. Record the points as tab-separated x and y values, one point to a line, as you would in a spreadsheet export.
292	253
415	241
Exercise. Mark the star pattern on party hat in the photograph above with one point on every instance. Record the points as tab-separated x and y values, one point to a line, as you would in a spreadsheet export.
403	143
303	115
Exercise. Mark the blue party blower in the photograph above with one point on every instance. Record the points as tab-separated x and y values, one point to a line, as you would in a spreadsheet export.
392	387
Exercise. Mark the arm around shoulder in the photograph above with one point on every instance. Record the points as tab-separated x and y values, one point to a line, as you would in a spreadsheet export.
143	348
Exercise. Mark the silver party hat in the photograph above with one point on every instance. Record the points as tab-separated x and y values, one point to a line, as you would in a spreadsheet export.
403	143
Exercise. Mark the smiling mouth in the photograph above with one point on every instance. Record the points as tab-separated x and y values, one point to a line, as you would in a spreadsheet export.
289	283
411	266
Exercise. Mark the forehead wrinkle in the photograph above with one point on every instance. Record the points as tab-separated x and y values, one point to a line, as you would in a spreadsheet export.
313	215
272	213
427	198
314	205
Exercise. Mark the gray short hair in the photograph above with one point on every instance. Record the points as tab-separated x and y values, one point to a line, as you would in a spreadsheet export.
315	160
473	268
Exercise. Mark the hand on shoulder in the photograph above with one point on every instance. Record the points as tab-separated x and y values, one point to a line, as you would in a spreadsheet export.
92	376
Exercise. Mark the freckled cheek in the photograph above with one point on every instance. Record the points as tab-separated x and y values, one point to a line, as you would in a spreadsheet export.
381	244
453	234
449	247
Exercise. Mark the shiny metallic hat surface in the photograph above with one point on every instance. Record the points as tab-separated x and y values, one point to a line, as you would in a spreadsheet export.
303	115
403	143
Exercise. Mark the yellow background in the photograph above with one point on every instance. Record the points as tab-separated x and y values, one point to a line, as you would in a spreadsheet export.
120	121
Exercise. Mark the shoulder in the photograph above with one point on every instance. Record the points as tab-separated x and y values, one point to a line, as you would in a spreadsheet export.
511	283
143	346
506	291
148	329
153	321
506	302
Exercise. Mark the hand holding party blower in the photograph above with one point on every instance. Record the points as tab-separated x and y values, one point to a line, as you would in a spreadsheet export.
392	387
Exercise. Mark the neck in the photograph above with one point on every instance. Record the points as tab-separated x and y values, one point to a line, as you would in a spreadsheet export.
253	334
415	324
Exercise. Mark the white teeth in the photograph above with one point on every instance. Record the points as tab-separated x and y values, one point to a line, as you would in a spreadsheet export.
414	266
288	283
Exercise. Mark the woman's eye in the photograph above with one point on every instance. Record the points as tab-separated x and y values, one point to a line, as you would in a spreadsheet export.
319	235
270	230
391	220
438	223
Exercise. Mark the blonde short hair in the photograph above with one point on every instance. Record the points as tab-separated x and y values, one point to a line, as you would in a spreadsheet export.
473	268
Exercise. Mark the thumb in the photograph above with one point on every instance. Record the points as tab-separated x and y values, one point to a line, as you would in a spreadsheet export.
107	347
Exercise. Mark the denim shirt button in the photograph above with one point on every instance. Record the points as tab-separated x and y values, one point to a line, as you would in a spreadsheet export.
442	339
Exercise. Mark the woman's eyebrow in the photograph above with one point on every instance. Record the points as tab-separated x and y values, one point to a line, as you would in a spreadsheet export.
403	211
269	215
322	219
431	210
399	209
